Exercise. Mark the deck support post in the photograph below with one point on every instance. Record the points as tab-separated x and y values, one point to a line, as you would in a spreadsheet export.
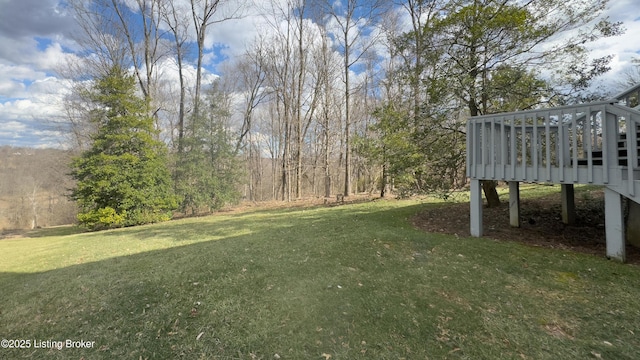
614	224
514	203
476	208
568	204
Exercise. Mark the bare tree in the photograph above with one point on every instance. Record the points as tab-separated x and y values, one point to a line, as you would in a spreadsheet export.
353	21
101	36
205	13
177	21
143	37
251	83
327	67
631	76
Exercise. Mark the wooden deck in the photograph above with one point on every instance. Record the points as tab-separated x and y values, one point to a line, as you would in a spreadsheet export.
595	143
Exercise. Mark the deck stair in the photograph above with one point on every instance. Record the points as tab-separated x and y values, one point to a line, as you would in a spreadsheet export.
622	152
594	143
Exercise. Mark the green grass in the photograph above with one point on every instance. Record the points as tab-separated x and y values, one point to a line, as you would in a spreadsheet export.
348	282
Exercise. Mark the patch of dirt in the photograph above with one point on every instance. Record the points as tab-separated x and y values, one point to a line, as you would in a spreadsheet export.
540	224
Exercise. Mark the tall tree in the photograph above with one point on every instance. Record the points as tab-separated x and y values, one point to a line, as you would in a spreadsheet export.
178	22
123	179
204	14
481	36
208	169
140	25
327	69
286	54
353	22
417	135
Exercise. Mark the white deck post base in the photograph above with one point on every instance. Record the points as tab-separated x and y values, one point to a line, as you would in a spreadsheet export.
476	208
514	203
568	204
614	224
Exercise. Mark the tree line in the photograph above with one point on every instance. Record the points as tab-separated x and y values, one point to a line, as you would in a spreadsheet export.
331	97
33	188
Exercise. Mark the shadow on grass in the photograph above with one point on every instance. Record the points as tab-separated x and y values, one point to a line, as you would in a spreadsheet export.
63	230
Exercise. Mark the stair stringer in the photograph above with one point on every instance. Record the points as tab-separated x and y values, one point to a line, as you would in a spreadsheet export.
628	189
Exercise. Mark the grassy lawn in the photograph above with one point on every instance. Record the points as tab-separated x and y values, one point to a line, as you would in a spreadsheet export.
348	282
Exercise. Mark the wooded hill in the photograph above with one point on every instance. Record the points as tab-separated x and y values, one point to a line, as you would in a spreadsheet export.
33	188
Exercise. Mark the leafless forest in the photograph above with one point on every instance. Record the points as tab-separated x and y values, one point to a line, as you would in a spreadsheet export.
33	188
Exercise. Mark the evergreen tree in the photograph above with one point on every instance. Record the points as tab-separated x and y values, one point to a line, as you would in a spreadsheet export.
207	171
122	180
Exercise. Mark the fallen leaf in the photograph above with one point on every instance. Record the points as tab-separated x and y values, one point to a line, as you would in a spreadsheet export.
199	335
326	356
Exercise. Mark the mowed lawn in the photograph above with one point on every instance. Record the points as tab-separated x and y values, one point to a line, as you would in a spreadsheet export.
347	282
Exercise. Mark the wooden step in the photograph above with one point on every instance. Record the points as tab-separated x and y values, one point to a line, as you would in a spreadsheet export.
622	152
623	136
598	161
585	162
625	162
623	144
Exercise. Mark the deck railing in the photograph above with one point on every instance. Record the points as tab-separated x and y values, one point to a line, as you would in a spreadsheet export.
594	143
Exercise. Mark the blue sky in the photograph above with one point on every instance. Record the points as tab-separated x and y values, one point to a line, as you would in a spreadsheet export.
36	39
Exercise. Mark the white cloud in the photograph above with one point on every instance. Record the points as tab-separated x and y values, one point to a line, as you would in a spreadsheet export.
625	47
31	34
9	88
27	18
35	36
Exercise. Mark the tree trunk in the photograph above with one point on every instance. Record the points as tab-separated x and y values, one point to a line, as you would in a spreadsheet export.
490	193
383	188
347	124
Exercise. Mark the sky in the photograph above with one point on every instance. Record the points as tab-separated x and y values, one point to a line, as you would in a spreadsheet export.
36	38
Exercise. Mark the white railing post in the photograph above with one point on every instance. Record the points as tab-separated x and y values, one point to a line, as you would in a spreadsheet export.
524	148
574	144
514	151
610	156
547	130
470	149
493	156
632	152
534	147
503	149
589	148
